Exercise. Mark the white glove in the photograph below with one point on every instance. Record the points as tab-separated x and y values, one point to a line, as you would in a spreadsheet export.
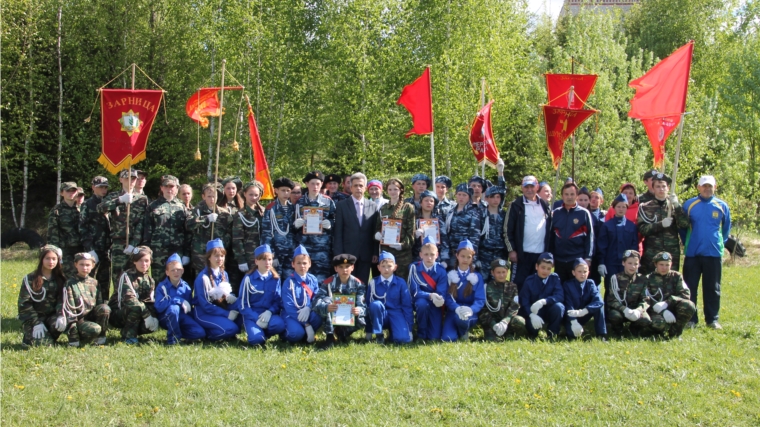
443	264
500	328
60	324
38	332
378	236
126	198
233	315
602	270
576	328
186	307
298	223
411	337
243	267
516	299
94	255
303	314
309	333
472	278
326	225
212	217
536	321
463	312
667	221
574	313
151	323
275	263
436	299
453	277
538	305
231	298
662	305
583	312
395	246
129	250
419	232
632	315
669	317
500	166
263	320
185	260
479	265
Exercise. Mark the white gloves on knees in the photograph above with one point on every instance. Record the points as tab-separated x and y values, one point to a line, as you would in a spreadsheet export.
309	333
151	323
303	314
669	317
662	305
39	331
632	315
500	328
186	307
233	315
576	328
60	324
577	313
538	305
463	312
437	300
263	320
536	321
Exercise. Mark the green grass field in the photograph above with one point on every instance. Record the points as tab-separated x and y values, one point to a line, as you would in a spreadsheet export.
709	378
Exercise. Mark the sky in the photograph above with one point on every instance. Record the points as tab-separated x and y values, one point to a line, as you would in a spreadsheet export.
552	7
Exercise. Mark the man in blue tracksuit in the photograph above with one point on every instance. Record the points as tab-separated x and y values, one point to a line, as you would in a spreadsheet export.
582	302
541	299
709	225
572	233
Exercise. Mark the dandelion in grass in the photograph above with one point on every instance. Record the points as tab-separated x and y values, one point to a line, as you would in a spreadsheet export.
21	387
736	393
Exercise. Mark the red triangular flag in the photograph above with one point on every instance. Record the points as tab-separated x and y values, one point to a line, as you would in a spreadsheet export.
658	130
481	137
205	103
560	124
559	93
417	98
260	161
661	92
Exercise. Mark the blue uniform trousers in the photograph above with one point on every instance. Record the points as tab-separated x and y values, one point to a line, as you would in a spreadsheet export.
454	327
380	318
552	317
429	319
217	327
179	325
294	330
256	335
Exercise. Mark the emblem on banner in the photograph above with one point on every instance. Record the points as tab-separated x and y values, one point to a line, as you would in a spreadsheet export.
130	122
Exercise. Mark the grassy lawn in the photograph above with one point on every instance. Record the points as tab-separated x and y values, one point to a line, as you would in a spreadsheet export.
707	378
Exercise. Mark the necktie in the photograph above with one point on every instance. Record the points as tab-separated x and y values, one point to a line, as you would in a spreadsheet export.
359	214
308	290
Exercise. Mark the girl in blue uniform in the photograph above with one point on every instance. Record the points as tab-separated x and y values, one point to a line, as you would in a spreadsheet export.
172	304
213	296
390	304
465	297
297	294
259	301
427	284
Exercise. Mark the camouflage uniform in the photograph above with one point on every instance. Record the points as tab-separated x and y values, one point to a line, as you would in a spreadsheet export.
671	289
63	231
492	244
319	246
166	234
407	216
246	234
82	305
332	286
197	223
626	292
36	308
277	232
117	212
460	226
656	237
132	303
95	231
501	305
443	244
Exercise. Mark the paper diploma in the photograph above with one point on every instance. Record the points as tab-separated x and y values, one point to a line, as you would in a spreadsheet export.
344	315
391	231
313	218
430	229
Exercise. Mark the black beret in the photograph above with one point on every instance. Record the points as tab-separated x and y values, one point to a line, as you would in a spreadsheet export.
333	177
343	259
284	182
314	175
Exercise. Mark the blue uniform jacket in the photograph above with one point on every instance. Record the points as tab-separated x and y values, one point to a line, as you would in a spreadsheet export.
166	294
259	293
582	295
201	300
535	289
419	286
616	236
277	228
710	221
475	301
395	296
572	234
460	226
295	297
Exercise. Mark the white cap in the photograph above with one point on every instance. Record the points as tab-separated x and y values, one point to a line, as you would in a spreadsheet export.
529	180
707	179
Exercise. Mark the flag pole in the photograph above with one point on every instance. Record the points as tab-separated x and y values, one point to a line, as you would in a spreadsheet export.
253	166
218	140
572	71
678	154
432	139
129	171
432	153
482	104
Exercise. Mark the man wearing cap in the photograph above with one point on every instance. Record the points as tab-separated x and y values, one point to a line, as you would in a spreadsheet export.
63	227
375	190
596	199
318	244
95	231
142	178
648	180
115	206
709	225
526	230
420	183
326	302
165	228
572	233
354	229
442	185
277	224
332	182
670	305
479	185
491	244
658	221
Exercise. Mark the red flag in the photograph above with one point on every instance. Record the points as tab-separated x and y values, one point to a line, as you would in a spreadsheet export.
560	124
126	120
205	103
481	137
260	161
658	130
661	92
417	98
559	93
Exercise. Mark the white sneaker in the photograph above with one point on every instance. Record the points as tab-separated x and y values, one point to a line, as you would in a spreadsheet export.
714	325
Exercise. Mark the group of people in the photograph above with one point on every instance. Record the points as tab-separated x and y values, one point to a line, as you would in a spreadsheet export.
423	267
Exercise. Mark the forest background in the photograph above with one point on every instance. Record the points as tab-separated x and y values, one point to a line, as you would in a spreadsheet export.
323	77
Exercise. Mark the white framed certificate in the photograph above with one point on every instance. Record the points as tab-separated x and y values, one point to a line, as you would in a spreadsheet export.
430	228
391	231
312	220
344	316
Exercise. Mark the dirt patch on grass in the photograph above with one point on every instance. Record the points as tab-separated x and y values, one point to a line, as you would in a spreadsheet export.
18	252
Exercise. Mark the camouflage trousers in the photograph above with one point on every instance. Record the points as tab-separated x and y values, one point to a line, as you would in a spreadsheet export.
158	265
67	260
647	259
51	336
102	273
683	311
198	261
516	327
89	326
616	320
119	261
130	321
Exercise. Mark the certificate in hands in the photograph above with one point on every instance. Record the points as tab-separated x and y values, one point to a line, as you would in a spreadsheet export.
430	228
344	315
313	220
391	231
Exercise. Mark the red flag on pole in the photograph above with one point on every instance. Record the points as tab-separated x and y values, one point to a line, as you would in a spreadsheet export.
417	98
205	103
661	92
481	137
261	167
127	117
658	130
559	93
560	124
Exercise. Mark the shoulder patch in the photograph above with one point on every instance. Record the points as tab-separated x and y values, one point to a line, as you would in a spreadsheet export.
329	279
270	205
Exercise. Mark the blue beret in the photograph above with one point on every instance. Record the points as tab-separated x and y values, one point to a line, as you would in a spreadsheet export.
443	179
428	241
428	193
174	258
386	255
463	188
496	190
465	244
300	250
579	261
213	244
263	249
546	256
479	180
421	177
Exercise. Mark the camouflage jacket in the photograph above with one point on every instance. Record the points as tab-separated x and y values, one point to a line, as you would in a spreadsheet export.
134	290
649	223
80	295
118	215
197	224
627	291
669	288
94	227
35	307
501	300
408	217
63	226
332	286
165	231
246	234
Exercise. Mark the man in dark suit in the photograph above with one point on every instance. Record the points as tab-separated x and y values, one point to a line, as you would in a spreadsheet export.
355	221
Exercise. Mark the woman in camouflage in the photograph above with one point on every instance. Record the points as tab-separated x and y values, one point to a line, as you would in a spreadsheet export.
39	294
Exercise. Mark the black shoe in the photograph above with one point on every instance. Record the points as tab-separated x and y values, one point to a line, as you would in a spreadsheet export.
328	343
380	339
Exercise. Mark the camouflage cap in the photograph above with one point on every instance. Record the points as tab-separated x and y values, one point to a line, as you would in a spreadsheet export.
663	256
53	248
80	191
169	180
662	177
499	263
68	185
83	255
126	173
208	185
100	181
141	172
630	253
